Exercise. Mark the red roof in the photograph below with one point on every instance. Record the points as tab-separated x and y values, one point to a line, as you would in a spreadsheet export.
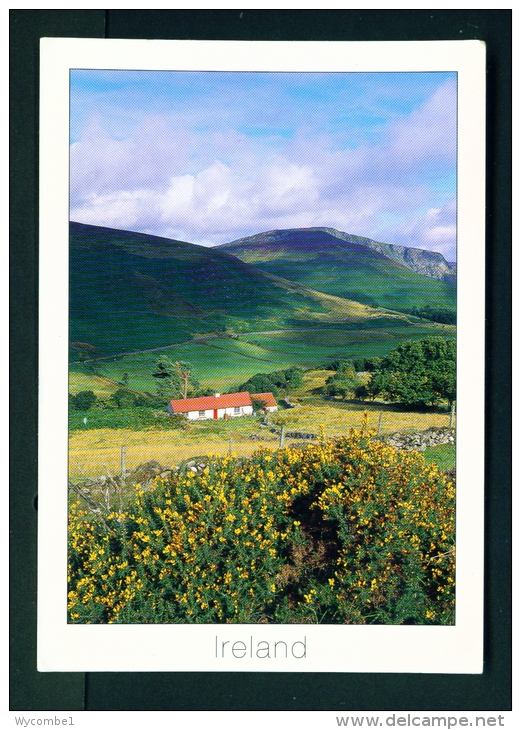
267	399
210	402
227	400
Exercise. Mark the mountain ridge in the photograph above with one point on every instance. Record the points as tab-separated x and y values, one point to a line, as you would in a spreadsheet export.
427	263
353	267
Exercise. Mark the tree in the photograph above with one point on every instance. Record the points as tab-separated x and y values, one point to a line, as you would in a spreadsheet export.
275	382
366	391
359	364
173	378
260	383
438	314
258	405
123	398
343	383
291	378
418	373
84	400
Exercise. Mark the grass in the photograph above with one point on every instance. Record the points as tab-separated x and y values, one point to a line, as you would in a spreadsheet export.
221	364
94	451
101	385
135	419
407	290
320	345
130	292
443	455
225	362
338	417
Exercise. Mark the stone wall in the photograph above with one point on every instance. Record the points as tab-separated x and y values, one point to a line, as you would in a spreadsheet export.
419	441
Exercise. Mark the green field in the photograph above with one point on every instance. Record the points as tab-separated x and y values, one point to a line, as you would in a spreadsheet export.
308	347
221	366
224	363
443	455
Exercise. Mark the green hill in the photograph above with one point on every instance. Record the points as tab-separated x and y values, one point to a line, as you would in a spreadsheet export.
131	292
353	267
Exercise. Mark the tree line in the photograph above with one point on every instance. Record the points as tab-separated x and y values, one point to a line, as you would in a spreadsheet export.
416	373
177	380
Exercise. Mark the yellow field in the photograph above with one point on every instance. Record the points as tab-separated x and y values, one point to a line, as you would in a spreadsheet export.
102	387
92	453
340	417
96	452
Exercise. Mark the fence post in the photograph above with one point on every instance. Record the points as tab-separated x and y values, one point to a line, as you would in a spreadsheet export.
452	414
230	446
379	424
282	429
123	461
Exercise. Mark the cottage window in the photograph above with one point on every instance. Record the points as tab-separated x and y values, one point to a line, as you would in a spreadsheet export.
237	410
202	414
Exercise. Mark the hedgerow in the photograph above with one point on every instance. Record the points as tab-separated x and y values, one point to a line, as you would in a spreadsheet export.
345	531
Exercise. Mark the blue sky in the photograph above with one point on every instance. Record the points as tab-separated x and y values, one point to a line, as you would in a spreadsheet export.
211	157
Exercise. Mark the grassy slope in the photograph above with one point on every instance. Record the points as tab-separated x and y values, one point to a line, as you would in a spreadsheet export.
224	363
343	268
443	455
129	291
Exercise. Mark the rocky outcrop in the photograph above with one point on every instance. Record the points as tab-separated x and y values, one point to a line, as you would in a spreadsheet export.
427	263
420	441
146	472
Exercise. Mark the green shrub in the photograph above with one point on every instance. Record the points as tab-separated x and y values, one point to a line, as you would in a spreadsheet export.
136	418
82	401
275	382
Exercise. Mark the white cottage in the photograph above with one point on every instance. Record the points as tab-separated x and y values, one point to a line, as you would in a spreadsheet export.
228	405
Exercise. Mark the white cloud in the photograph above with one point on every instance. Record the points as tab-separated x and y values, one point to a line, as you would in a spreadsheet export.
433	229
99	163
213	186
430	131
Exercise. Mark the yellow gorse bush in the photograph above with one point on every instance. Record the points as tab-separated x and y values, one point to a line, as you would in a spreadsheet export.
344	531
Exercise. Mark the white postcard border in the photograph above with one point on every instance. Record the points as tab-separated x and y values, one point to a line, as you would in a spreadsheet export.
428	649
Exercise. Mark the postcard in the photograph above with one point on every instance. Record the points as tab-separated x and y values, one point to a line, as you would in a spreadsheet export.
261	406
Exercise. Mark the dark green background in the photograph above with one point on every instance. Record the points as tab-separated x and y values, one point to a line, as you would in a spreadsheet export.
31	690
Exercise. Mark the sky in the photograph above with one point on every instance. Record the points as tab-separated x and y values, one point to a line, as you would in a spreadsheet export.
210	157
